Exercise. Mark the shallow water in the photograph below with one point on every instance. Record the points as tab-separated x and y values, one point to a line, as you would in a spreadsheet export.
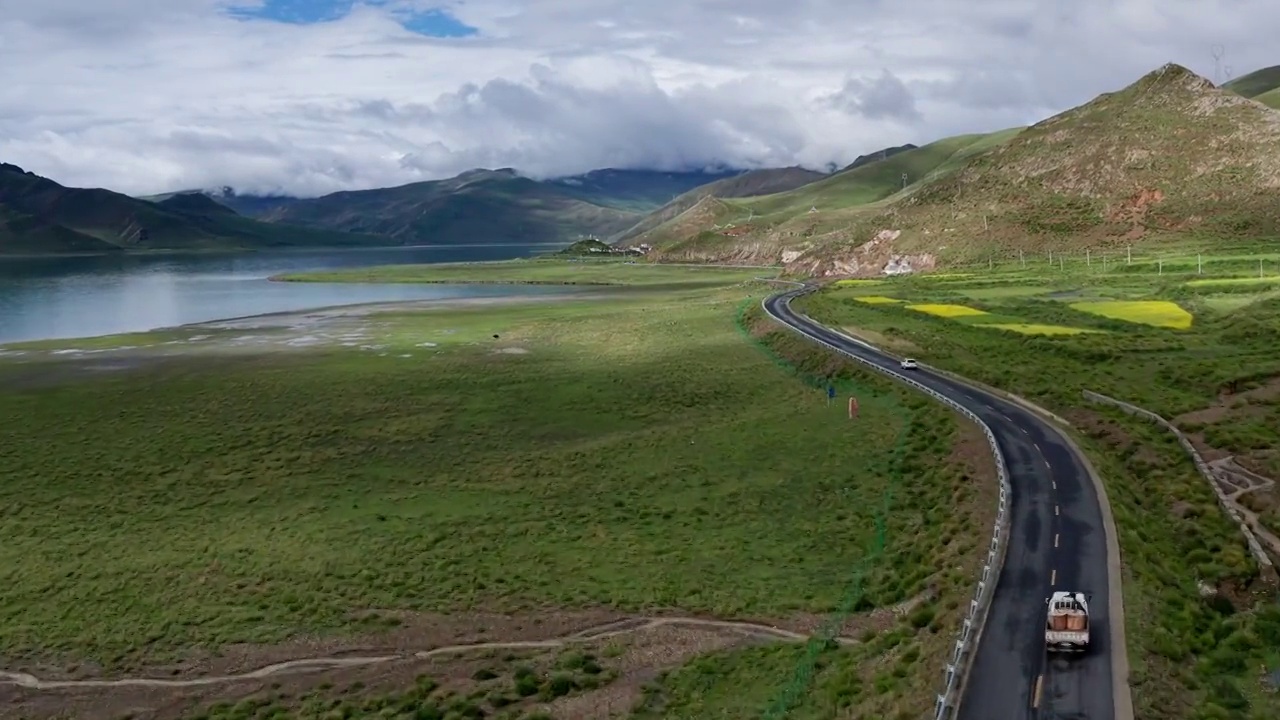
64	297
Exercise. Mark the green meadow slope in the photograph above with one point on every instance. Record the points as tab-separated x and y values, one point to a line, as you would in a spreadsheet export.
1256	83
1170	157
829	201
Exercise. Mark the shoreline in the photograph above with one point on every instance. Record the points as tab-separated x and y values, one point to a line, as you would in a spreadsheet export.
339	310
283	278
151	252
373	306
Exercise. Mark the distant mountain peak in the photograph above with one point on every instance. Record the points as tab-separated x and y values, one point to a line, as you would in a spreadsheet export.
878	155
197	202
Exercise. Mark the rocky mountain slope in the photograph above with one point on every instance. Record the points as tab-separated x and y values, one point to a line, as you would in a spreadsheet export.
1169	156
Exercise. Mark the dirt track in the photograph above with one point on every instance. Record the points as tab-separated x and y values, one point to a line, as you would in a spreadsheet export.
592	634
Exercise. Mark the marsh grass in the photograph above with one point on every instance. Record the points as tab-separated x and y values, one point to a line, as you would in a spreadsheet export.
548	271
934	521
635	453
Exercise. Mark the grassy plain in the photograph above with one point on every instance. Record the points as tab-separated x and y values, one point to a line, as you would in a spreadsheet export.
666	450
1193	657
539	271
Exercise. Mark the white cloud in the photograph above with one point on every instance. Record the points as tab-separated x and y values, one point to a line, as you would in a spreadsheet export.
151	95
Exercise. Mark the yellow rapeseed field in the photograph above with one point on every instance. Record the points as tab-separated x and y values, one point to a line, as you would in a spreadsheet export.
877	299
1158	313
947	311
1036	328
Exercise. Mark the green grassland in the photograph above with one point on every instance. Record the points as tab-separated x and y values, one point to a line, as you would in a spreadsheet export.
1192	657
869	680
1271	98
507	688
663	449
540	271
1256	83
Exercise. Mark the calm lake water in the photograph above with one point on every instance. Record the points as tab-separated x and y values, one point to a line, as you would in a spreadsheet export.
47	298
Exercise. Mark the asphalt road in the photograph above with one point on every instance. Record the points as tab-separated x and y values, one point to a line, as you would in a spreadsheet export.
1056	542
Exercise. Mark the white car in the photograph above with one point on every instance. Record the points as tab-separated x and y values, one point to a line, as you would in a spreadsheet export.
909	364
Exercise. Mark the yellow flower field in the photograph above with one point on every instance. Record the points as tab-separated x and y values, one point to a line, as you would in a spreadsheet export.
947	311
1157	313
1037	329
853	282
877	300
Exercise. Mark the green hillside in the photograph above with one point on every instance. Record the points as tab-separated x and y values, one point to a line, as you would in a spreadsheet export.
876	181
481	206
827	203
1270	98
1170	156
635	190
37	215
878	155
748	184
497	206
1255	83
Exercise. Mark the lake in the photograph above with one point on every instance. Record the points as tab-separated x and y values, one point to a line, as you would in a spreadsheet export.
64	297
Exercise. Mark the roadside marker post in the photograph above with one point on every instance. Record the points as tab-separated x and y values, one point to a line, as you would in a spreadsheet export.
853	407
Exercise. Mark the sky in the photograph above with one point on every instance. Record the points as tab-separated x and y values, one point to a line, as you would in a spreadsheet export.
306	97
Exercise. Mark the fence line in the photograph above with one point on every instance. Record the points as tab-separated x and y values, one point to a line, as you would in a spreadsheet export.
956	670
1254	546
1245	262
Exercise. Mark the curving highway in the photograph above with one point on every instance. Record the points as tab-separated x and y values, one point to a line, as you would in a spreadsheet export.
1056	542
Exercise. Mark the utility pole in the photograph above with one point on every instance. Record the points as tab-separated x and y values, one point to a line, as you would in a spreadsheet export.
1128	251
904	181
1062	263
1160	267
1199	265
1088	260
1022	260
1259	267
991	263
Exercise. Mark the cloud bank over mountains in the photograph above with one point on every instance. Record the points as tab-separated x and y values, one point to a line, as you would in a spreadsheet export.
312	96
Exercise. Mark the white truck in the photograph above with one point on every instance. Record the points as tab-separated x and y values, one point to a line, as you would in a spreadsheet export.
1067	624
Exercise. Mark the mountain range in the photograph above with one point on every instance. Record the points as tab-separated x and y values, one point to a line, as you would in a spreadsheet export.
39	216
1170	154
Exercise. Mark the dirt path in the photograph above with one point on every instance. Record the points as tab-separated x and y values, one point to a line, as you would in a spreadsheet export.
592	634
1237	481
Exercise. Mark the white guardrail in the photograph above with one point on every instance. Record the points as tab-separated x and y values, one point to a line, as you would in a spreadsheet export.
948	701
1255	547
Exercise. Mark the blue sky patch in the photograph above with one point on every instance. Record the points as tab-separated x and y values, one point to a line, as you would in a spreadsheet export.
432	23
